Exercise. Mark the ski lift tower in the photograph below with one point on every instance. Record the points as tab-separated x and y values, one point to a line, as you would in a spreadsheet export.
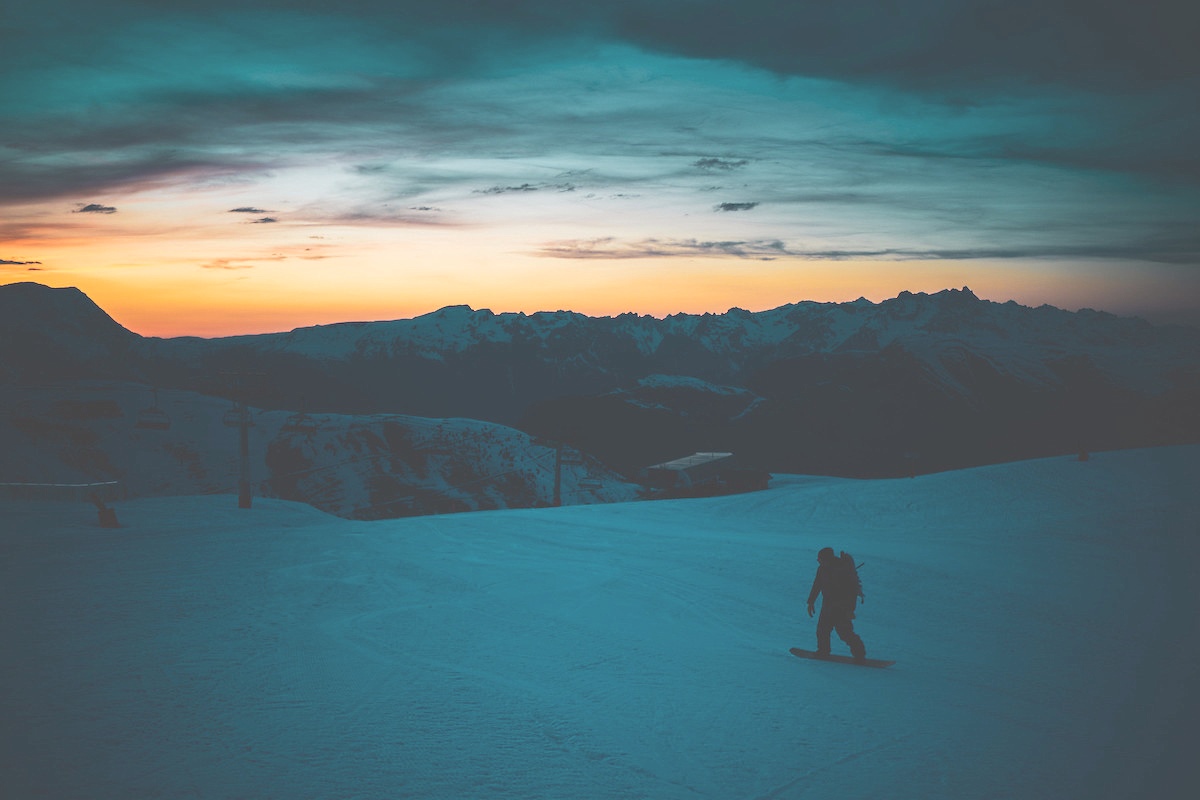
239	417
563	454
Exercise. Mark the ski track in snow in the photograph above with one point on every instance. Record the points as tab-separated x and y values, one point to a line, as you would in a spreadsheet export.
629	650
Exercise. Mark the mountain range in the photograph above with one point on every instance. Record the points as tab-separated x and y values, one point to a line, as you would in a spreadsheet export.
918	383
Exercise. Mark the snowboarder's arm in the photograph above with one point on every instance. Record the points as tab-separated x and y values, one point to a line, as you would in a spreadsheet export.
812	595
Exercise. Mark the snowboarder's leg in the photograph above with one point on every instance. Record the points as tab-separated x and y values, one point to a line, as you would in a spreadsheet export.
825	624
845	631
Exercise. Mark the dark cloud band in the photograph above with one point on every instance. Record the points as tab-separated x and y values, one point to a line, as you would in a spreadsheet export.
95	208
1168	251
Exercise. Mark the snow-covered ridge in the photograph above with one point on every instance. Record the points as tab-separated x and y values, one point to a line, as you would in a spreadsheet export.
1017	339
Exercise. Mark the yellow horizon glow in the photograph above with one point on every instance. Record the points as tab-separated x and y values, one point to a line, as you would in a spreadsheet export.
171	299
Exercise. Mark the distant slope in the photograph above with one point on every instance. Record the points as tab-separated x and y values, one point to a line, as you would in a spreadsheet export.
1043	616
918	383
363	467
444	359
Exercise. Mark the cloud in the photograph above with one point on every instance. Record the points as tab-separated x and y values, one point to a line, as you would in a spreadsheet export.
612	248
1170	250
263	221
524	187
719	164
248	210
225	263
164	134
1125	75
94	208
6	262
381	215
31	176
735	206
947	45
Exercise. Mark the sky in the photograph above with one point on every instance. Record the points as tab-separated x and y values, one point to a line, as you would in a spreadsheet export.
218	167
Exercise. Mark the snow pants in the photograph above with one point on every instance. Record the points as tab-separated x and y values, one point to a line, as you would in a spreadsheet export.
842	621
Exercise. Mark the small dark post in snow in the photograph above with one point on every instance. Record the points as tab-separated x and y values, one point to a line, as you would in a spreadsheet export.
558	462
108	517
240	416
244	479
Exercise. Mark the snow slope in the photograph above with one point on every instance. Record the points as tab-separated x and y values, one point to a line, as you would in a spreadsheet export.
1043	614
363	467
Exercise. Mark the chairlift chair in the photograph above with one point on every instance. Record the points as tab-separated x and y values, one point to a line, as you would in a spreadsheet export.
233	417
153	418
298	423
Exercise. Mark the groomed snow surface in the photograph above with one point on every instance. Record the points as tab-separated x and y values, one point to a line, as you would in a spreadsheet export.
1044	616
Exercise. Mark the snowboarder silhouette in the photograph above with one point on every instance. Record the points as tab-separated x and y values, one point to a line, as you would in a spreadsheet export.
837	582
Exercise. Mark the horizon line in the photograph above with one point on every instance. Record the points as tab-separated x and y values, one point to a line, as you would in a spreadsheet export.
862	299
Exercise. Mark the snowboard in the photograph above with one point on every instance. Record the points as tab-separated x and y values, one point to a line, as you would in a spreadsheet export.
870	662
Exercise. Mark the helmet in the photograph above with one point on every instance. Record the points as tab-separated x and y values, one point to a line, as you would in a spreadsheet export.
826	555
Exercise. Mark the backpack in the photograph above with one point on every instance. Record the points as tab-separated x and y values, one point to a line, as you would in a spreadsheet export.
853	582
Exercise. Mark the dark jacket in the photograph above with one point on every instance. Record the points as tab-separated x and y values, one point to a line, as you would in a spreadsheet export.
837	584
